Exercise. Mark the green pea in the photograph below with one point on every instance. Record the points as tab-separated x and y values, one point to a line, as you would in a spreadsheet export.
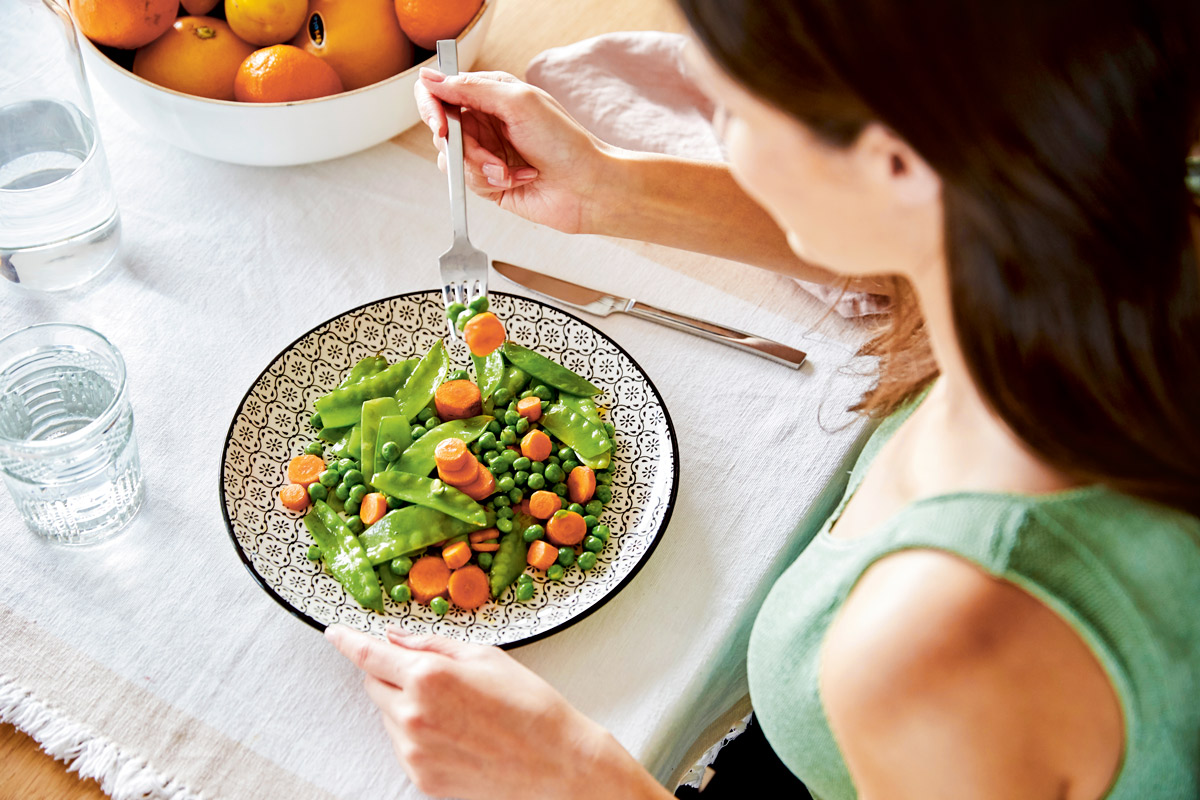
315	421
520	477
554	473
463	319
500	466
601	532
536	481
524	592
458	375
553	459
603	493
390	451
522	426
604	476
401	566
318	491
504	525
488	441
566	556
453	310
525	577
516	495
479	304
504	513
424	414
500	502
352	477
543	392
562	512
432	423
594	507
491	457
438	605
358	492
314	553
394	502
418	432
556	572
342	491
401	593
538	467
610	429
533	533
344	465
513	407
315	448
484	560
560	489
589	520
586	560
593	543
351	506
526	393
506	484
578	509
511	418
508	436
501	397
356	525
329	478
522	463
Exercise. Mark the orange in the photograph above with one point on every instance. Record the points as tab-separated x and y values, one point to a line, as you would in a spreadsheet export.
199	7
264	22
283	74
426	21
198	55
361	39
124	23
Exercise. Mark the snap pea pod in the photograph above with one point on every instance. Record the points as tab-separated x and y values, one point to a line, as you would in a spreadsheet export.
586	438
488	372
586	408
509	560
431	493
428	374
549	372
418	458
354	443
344	406
365	368
344	555
338	438
407	530
372	412
392	429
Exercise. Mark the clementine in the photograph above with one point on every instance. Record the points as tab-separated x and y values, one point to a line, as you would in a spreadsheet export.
361	39
198	55
283	73
426	21
264	22
127	24
199	8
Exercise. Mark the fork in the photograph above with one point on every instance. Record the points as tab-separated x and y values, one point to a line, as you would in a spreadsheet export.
464	267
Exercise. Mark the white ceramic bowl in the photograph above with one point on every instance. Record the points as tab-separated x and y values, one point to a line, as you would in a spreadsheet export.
276	134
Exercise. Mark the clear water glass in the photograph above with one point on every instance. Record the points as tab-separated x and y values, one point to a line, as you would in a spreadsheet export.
59	225
68	453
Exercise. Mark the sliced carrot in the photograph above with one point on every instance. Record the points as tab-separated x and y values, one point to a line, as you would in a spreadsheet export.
566	529
483	536
542	555
372	508
482	487
530	408
469	587
305	469
522	507
428	578
536	446
463	477
458	400
543	504
457	554
485	547
581	484
452	454
294	496
484	333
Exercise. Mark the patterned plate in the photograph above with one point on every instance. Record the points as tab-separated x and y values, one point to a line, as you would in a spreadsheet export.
271	426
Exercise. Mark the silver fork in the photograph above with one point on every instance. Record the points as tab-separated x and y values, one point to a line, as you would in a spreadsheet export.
464	267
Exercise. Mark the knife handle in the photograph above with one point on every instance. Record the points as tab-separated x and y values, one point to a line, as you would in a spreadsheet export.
779	353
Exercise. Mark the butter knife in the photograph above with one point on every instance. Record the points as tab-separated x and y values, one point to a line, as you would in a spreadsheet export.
601	304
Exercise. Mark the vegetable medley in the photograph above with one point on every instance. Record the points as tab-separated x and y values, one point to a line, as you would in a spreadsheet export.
434	488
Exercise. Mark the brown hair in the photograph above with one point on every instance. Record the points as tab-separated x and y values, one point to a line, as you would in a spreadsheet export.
1059	129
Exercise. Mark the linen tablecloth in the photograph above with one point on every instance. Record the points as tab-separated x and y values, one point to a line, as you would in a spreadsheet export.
154	663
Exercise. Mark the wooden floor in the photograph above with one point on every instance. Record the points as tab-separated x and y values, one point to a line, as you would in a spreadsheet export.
29	774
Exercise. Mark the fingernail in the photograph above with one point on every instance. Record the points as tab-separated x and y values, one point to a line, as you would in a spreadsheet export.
499	183
333	634
432	75
525	173
493	171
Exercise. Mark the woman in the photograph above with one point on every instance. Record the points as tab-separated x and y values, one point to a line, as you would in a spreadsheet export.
1005	603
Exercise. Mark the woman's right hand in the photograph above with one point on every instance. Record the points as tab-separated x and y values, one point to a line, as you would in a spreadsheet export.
521	148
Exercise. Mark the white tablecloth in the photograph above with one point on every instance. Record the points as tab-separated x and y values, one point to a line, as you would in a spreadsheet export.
155	663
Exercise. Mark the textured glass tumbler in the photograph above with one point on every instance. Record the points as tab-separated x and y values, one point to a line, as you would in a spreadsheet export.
67	449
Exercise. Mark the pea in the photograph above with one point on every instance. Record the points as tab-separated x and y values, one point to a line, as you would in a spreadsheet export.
554	473
556	572
604	493
356	525
537	467
318	491
315	448
508	436
329	478
586	560
578	509
352	477
524	578
484	560
488	441
500	465
504	525
314	553
454	309
401	566
424	414
351	506
342	491
566	556
500	502
438	605
463	319
504	513
315	421
543	392
401	593
344	465
610	429
593	543
536	481
458	375
562	512
522	463
569	465
516	495
394	502
520	477
506	484
511	418
513	407
418	432
526	393
604	476
533	533
524	592
553	460
432	423
522	426
601	532
590	521
594	507
491	457
358	492
502	396
560	489
390	451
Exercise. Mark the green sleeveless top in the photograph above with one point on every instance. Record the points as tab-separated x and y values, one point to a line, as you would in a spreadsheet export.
1124	573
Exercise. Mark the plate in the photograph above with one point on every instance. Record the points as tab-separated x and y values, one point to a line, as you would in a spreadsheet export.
271	426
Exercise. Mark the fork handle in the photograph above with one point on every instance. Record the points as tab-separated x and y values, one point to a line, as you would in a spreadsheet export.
447	55
775	351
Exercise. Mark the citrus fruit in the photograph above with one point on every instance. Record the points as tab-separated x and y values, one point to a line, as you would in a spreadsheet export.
426	21
124	23
197	55
199	7
361	39
283	73
264	22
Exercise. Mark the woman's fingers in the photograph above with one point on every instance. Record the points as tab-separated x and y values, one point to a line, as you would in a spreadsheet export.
373	656
496	93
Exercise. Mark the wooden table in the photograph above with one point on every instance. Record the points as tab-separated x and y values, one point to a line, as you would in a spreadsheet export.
520	30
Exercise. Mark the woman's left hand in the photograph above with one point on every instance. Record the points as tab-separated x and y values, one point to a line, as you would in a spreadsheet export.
469	721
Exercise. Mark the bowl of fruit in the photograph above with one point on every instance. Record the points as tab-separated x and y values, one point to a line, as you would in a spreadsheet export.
272	82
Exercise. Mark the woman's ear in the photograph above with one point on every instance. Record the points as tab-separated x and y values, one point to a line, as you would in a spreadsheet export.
895	168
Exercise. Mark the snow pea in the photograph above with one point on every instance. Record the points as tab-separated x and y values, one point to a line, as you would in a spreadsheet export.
344	555
339	440
393	429
547	371
372	412
344	406
428	374
365	368
488	372
407	530
418	458
586	438
509	561
431	493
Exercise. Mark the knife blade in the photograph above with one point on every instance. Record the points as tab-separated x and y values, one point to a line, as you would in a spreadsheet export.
602	304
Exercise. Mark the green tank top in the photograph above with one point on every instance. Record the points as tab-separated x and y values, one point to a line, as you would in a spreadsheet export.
1124	573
